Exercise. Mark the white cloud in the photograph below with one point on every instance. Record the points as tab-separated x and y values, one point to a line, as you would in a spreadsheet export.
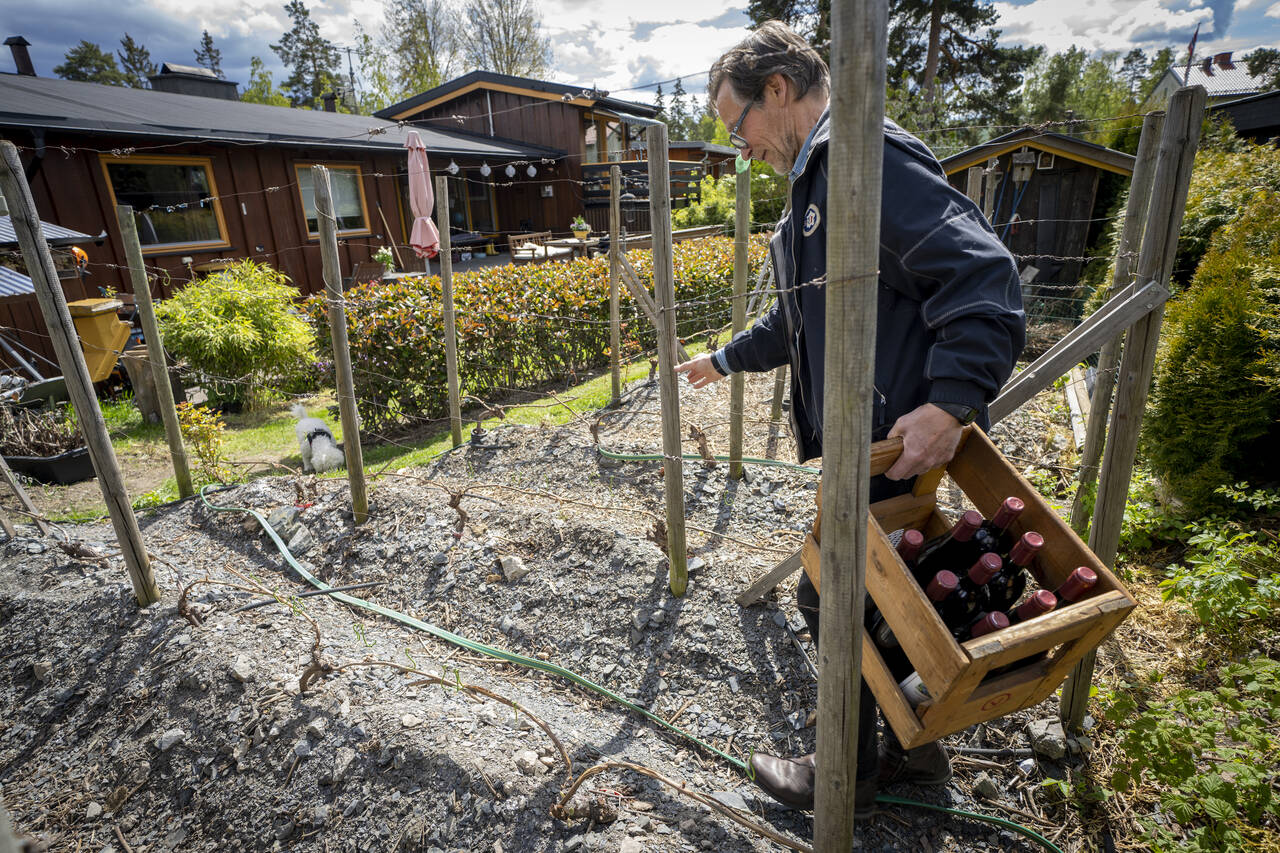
1098	25
1274	11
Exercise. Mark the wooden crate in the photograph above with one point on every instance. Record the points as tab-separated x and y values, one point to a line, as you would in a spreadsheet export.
955	674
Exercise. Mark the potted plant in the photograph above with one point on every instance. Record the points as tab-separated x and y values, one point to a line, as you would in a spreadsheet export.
386	258
45	444
580	228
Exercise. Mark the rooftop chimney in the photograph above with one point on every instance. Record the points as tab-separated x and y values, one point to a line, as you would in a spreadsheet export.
330	102
21	58
1207	66
1223	61
192	80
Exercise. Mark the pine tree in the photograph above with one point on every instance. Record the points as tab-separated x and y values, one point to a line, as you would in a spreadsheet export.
89	63
314	63
135	62
677	113
659	103
208	55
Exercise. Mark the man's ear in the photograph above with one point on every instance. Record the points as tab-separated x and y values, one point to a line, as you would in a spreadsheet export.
777	87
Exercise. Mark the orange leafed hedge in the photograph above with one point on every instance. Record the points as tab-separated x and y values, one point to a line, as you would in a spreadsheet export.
518	327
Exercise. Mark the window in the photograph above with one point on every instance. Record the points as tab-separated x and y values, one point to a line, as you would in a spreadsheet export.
471	205
347	190
615	135
591	149
174	200
603	140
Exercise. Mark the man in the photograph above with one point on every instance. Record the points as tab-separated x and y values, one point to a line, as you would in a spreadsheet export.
949	324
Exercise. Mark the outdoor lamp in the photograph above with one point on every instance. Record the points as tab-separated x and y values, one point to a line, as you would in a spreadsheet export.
531	171
510	170
452	168
485	170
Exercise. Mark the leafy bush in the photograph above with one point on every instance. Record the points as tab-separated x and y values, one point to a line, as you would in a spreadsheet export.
1214	416
518	326
202	432
720	196
240	330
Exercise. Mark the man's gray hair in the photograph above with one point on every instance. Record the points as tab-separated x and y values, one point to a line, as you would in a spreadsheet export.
773	48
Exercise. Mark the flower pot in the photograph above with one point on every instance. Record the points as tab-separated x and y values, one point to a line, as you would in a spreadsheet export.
62	469
581	234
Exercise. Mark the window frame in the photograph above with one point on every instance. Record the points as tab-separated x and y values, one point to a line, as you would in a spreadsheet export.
206	163
298	165
601	124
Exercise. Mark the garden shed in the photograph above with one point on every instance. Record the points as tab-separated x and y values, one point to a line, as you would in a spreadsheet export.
1041	192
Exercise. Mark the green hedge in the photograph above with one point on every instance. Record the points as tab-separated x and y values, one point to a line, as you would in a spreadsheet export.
518	326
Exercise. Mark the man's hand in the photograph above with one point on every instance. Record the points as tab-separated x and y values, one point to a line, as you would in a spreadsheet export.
701	371
929	439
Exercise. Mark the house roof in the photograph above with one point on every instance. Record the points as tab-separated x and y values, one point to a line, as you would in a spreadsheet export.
45	102
14	283
1217	81
1055	143
579	95
709	147
54	235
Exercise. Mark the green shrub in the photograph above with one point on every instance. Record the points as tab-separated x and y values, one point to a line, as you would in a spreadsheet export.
1214	417
518	326
238	329
719	201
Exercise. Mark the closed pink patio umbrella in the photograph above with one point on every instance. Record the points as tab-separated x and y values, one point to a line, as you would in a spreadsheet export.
424	238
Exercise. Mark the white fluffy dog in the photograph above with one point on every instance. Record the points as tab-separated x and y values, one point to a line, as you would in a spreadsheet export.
319	451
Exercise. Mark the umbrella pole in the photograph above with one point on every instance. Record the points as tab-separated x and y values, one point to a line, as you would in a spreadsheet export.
387	227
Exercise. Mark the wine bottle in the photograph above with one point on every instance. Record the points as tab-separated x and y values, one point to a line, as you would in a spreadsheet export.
984	624
952	550
939	590
1040	603
969	597
1007	586
912	686
909	548
994	535
1077	585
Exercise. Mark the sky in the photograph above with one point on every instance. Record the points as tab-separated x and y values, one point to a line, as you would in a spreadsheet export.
616	45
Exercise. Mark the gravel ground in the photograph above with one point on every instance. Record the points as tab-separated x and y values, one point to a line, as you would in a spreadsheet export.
128	729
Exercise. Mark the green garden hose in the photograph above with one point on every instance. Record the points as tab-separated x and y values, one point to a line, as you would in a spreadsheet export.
533	663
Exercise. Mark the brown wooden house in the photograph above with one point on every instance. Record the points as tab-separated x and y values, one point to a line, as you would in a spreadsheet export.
213	180
588	131
1041	193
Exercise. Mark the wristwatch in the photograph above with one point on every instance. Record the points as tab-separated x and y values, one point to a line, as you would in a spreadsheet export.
964	414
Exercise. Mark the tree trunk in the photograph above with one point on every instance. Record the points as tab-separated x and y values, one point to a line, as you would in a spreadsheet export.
929	84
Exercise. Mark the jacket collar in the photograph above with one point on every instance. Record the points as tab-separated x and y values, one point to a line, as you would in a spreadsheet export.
819	135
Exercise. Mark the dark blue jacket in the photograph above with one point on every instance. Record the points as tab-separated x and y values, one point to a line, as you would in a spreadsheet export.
949	321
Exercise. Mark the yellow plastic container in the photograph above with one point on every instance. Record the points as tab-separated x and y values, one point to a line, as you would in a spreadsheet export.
102	334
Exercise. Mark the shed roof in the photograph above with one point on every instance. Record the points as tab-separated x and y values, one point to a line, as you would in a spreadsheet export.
14	283
54	235
1217	81
1055	143
580	95
45	102
709	147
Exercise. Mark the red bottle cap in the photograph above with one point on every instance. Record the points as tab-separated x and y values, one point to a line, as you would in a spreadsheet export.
967	526
1008	511
943	584
987	567
1024	550
988	623
1081	581
909	545
1037	605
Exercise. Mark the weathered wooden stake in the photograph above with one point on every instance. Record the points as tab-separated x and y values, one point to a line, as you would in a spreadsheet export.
1135	215
450	316
341	352
155	348
779	391
66	343
665	292
738	381
1169	186
973	185
7	475
859	35
615	313
989	196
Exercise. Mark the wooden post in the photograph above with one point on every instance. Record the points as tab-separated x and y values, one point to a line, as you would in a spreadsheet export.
989	197
341	352
859	35
155	348
665	293
1178	142
450	319
1135	214
28	507
738	381
779	391
53	305
973	185
615	250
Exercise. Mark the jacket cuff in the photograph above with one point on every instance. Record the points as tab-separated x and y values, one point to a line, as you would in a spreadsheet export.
719	362
957	391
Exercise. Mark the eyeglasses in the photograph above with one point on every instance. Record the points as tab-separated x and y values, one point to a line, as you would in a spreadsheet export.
734	138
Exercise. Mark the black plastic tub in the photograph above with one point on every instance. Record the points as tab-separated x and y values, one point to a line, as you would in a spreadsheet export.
63	469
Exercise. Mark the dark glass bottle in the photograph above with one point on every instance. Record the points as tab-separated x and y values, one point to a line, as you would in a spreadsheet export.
1007	586
939	590
969	598
909	548
1077	585
953	550
984	624
1040	603
994	535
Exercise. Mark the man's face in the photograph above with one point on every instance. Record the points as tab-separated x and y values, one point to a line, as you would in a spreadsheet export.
768	125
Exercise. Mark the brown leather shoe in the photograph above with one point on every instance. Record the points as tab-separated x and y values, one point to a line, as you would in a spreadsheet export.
924	765
790	781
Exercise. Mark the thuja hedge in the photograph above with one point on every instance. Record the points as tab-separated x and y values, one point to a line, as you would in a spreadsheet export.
519	327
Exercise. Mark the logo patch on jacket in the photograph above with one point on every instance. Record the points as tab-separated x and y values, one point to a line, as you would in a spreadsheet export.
811	220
